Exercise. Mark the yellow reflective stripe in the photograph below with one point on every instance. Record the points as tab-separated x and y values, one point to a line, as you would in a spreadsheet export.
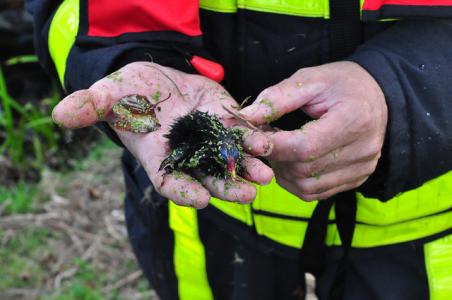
366	236
291	232
62	33
275	199
403	218
241	212
407	216
432	197
438	262
189	254
223	6
287	232
307	8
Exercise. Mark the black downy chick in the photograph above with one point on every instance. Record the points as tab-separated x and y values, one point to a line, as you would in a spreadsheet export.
200	142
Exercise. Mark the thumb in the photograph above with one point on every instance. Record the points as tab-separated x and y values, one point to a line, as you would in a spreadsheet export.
282	98
86	107
82	108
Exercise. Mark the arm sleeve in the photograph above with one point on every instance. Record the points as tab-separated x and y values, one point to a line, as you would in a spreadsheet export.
42	12
111	34
412	63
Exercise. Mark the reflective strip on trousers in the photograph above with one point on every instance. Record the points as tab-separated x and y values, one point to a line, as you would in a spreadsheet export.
189	254
438	262
62	33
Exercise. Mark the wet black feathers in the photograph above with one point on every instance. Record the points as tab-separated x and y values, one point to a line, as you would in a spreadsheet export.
195	141
195	128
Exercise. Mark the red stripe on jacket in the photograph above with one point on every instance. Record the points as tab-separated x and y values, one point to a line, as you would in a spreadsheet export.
377	4
109	18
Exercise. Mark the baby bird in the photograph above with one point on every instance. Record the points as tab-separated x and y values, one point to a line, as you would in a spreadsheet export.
200	142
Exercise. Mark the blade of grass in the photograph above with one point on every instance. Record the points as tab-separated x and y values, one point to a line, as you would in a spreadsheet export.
5	100
21	59
38	122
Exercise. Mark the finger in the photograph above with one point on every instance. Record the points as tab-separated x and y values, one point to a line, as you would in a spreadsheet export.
284	178
256	171
334	191
284	97
290	187
293	189
234	190
150	149
316	138
81	109
357	152
308	169
255	143
183	190
325	182
323	185
86	107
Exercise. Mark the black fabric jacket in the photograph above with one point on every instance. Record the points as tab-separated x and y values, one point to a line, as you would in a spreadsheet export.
411	60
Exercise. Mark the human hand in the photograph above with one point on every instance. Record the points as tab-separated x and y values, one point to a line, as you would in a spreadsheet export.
339	150
185	94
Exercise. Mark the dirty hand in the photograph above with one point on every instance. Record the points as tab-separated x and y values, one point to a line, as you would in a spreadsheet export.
184	93
339	150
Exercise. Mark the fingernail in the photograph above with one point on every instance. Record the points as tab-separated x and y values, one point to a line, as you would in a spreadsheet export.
268	149
56	121
267	182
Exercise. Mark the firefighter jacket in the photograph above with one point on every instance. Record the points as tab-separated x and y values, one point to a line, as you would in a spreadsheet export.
405	45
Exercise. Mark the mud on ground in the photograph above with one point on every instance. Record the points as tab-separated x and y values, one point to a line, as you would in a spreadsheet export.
84	249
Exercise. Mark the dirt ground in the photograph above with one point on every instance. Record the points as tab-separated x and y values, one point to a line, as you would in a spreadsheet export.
73	245
84	253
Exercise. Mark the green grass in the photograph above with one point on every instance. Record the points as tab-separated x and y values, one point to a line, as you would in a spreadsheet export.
23	197
25	256
96	153
79	291
85	284
19	199
23	265
21	59
21	257
27	131
23	260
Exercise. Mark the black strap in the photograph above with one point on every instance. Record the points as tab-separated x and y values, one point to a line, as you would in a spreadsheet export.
345	205
312	253
345	28
345	35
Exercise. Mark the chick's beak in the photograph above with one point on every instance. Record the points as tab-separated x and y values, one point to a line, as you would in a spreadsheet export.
231	166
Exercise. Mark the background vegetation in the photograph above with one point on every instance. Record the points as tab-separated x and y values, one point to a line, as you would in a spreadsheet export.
62	229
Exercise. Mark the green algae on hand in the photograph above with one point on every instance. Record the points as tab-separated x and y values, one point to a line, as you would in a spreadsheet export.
156	97
273	111
115	76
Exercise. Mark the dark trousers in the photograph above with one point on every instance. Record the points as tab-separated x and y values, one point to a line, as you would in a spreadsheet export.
237	270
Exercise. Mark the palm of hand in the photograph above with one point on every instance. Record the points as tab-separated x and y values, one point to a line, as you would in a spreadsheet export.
186	93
